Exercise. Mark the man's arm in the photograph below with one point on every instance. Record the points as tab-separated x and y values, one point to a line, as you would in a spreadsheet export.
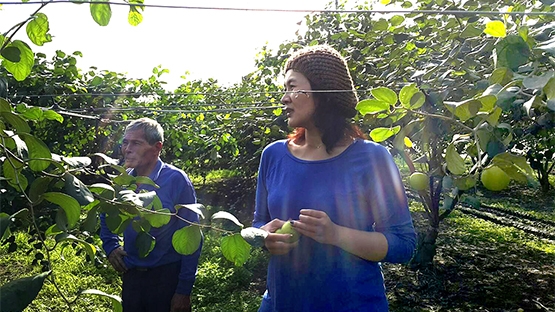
189	263
111	246
181	303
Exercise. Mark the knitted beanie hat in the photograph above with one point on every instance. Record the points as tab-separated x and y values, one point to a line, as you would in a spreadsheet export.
326	69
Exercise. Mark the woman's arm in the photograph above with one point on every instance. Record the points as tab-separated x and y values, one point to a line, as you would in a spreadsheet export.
317	225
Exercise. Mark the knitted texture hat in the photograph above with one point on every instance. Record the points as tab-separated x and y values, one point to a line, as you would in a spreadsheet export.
326	69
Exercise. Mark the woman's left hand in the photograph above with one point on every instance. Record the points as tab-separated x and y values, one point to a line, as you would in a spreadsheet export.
317	225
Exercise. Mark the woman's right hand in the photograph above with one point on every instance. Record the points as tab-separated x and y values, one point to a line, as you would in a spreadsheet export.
277	244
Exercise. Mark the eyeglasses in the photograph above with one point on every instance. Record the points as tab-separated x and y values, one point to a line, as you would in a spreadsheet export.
297	92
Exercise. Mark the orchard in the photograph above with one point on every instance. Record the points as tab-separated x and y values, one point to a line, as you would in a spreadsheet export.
461	93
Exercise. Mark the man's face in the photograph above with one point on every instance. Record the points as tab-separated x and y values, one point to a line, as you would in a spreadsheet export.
138	153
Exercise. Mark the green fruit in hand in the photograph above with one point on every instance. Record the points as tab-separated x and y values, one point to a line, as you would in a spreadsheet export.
495	179
287	228
419	181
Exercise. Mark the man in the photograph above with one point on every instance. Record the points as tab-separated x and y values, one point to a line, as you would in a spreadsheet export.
163	280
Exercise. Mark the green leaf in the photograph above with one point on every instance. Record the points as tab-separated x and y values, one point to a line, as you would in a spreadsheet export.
464	110
455	163
77	162
196	208
155	204
501	75
5	221
396	20
114	222
54	230
472	201
512	52
549	89
385	95
515	166
52	115
465	183
39	187
70	206
141	225
401	139
142	199
145	180
11	54
254	236
89	248
371	106
382	134
187	240
235	249
105	190
124	179
417	100
91	222
134	17
61	220
381	25
101	12
157	218
470	31
406	93
145	243
534	101
448	202
16	122
537	82
488	103
20	70
5	106
37	29
496	29
493	117
109	160
13	175
227	216
37	149
33	113
116	301
18	294
76	189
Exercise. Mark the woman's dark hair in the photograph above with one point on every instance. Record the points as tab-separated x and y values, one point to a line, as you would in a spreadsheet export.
327	70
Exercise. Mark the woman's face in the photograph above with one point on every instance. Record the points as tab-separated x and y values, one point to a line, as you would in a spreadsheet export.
299	106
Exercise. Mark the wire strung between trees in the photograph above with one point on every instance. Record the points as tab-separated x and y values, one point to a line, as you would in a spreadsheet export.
172	106
103	118
182	111
153	93
323	11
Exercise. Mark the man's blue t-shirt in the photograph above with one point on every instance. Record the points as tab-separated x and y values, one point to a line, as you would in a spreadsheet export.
361	189
174	188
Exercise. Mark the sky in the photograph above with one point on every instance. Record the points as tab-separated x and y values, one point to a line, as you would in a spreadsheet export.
206	43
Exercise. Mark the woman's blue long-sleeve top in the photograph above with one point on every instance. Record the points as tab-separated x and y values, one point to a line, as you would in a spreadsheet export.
361	189
174	188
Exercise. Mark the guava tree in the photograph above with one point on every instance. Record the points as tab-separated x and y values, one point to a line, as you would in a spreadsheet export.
59	211
443	89
452	130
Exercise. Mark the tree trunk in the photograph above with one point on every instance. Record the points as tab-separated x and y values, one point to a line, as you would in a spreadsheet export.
544	182
425	249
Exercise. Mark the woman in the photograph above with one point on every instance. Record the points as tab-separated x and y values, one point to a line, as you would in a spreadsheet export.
343	194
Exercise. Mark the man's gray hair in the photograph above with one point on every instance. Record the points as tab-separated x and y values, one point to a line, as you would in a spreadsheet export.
152	129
